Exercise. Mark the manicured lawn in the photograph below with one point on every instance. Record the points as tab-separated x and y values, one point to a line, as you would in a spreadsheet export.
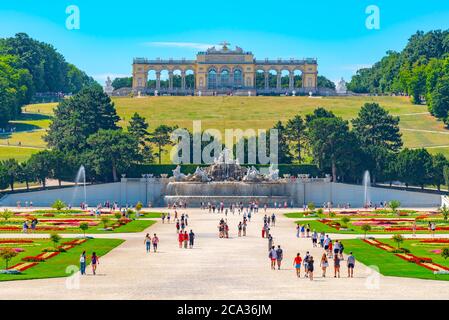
21	154
56	266
132	226
391	265
352	229
257	112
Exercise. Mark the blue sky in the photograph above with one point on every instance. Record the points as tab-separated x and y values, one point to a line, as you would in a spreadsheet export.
113	32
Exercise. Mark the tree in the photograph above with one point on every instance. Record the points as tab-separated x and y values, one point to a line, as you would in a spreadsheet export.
439	161
394	205
295	134
26	174
323	82
161	138
139	206
112	152
398	239
444	211
330	142
365	228
414	167
4	182
58	205
138	128
311	206
84	226
79	117
6	214
374	126
440	98
126	82
12	168
319	113
40	166
55	238
284	155
446	176
7	254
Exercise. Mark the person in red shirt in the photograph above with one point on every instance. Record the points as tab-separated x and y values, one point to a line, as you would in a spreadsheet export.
180	239
186	239
297	264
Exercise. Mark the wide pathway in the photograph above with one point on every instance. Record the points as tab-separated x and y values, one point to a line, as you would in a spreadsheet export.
234	268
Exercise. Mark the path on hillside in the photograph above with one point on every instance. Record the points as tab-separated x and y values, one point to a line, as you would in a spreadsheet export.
235	268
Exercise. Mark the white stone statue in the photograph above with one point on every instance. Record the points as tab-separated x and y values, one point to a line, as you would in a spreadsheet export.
273	174
200	175
108	88
252	174
341	87
177	174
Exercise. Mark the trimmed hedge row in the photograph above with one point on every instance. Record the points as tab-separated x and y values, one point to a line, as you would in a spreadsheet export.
136	171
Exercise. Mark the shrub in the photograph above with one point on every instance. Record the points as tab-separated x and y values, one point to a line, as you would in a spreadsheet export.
311	206
117	215
401	250
394	205
84	226
33	259
444	211
398	239
55	238
320	211
445	252
58	205
6	214
105	221
7	254
365	228
139	206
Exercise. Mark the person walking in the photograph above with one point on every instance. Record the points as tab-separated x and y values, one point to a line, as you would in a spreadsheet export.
322	239
244	229
324	264
191	239
177	226
155	241
310	267
94	261
297	264
270	242
263	231
351	264
168	218
273	257
298	230
306	264
340	252
147	243
185	239
83	263
336	266
279	256
314	239
273	220
240	229
180	239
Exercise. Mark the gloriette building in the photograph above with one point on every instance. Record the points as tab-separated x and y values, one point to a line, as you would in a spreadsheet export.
224	71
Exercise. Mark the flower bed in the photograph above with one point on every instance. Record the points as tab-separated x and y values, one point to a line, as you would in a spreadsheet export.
14	241
22	266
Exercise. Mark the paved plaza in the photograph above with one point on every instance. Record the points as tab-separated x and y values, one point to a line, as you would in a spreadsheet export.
234	268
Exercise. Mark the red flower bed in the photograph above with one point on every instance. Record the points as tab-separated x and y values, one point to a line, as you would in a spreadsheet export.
10	228
32	259
435	241
17	241
22	267
331	223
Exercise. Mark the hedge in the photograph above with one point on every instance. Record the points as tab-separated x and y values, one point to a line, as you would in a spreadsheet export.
136	171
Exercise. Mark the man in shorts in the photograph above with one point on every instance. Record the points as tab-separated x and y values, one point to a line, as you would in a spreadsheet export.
351	265
297	264
273	257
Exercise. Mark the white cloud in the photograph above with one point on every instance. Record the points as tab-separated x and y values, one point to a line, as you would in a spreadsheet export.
187	45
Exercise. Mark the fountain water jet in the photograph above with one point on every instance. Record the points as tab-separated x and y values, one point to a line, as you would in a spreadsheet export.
366	184
80	177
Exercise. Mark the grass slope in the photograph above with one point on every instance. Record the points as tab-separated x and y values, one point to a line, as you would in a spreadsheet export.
418	127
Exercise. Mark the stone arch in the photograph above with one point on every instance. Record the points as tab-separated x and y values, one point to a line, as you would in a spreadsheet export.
237	77
259	81
212	76
225	77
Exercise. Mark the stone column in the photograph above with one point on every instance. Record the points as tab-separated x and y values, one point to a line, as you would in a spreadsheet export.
158	80
278	79
170	80
183	80
291	80
267	83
